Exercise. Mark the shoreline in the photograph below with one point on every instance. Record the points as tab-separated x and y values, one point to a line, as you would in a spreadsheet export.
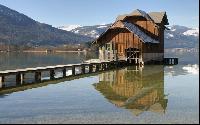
43	51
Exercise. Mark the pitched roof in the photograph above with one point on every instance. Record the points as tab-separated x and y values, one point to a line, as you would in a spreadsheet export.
121	17
138	12
144	37
157	16
134	29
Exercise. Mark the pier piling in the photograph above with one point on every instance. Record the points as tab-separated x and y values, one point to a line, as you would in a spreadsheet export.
19	78
2	78
90	68
38	77
52	74
73	70
97	68
64	72
83	68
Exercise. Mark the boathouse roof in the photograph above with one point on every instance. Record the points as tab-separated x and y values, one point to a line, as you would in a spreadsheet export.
156	17
134	29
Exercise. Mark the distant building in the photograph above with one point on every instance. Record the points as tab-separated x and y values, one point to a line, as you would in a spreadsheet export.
49	51
137	37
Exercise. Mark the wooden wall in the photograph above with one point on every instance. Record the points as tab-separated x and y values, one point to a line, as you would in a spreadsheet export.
121	39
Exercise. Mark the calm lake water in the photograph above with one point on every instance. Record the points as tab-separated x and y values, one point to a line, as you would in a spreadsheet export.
27	60
153	94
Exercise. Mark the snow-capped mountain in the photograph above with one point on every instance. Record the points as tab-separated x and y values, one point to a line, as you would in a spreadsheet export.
69	27
91	31
192	32
181	37
182	30
176	37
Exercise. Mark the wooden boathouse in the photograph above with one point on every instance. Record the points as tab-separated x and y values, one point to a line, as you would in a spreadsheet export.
137	38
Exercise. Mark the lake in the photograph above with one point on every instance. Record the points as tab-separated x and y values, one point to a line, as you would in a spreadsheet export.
153	94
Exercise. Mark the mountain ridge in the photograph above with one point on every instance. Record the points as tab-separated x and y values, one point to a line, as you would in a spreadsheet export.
17	28
176	37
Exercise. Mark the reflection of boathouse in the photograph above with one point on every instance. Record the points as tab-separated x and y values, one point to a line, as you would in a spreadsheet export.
137	91
135	37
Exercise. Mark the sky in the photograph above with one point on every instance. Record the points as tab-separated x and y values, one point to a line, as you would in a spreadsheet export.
94	12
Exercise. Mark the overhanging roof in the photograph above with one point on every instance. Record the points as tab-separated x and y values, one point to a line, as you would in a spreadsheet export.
156	17
138	12
135	30
144	37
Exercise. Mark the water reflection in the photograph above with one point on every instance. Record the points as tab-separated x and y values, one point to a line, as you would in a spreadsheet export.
182	69
136	90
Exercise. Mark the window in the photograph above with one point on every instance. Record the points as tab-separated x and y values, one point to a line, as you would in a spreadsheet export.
108	46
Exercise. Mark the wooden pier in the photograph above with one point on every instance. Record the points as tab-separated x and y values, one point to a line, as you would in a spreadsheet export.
85	68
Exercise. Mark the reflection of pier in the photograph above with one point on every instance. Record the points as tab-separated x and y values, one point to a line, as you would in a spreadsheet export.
137	91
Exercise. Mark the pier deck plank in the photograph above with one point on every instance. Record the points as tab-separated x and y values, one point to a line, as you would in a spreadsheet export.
8	72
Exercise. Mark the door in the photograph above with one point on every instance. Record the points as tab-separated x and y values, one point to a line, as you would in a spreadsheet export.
121	51
132	55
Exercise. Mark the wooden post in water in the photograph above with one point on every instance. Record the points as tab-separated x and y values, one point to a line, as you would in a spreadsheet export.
18	78
38	77
97	67
110	65
105	67
102	66
116	65
64	72
90	68
171	61
73	70
83	68
52	74
113	65
176	61
167	61
22	78
2	79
